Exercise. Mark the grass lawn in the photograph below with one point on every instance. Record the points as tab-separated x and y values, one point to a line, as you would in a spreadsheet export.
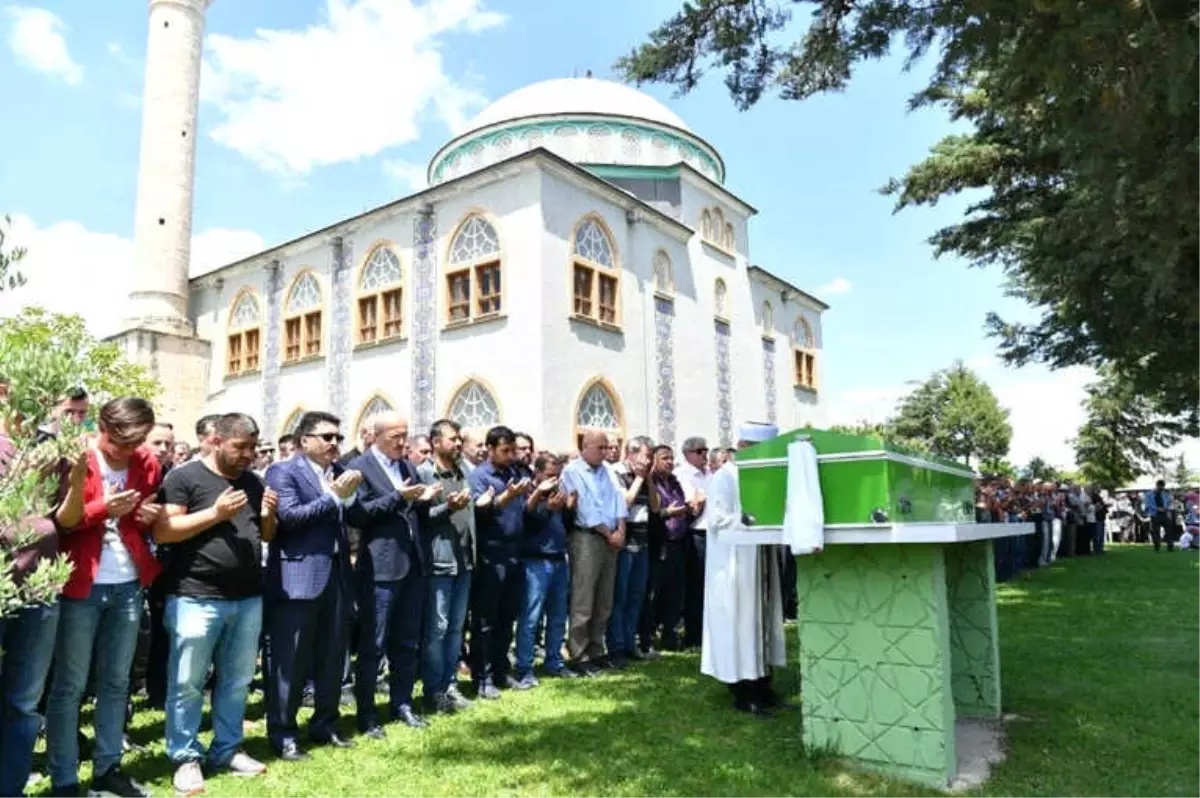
1100	664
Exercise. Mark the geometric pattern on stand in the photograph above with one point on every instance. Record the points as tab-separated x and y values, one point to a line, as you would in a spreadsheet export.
724	386
769	377
341	334
874	658
974	638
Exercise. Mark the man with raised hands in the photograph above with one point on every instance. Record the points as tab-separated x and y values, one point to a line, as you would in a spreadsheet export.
217	513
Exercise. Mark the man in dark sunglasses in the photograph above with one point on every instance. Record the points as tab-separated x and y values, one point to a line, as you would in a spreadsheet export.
307	586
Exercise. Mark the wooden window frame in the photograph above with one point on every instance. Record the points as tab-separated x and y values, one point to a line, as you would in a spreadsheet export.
307	345
475	297
804	366
246	342
384	327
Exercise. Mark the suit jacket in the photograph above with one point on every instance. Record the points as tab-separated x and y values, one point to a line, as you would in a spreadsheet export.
311	528
391	544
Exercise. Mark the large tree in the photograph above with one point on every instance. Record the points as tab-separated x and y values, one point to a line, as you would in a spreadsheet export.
955	415
1038	470
1084	120
1123	436
1182	476
42	357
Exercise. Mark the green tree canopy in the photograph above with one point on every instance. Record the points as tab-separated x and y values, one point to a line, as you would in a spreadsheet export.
1123	435
1085	124
1038	470
956	415
44	356
1182	476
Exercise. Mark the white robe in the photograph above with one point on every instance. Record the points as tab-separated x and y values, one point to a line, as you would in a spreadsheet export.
743	606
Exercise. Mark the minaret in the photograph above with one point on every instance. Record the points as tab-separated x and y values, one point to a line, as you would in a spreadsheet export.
157	330
162	227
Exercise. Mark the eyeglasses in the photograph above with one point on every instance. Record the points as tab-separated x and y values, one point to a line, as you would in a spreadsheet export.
700	451
330	437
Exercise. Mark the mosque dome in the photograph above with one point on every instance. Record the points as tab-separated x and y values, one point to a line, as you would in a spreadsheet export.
588	121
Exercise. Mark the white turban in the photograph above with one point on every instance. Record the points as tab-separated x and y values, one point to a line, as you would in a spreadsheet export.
757	432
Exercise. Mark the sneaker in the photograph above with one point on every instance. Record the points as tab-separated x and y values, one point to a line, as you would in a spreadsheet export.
460	700
562	673
487	691
245	765
444	704
189	779
116	784
526	682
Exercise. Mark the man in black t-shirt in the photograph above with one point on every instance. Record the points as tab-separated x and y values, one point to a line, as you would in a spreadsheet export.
218	513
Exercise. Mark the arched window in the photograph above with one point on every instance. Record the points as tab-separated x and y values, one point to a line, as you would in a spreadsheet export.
302	319
288	427
245	340
728	239
595	278
473	267
768	319
375	405
664	274
381	296
598	410
721	299
474	407
804	350
706	225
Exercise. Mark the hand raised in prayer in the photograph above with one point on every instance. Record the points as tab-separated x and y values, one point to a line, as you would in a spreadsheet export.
410	492
547	486
345	485
270	503
230	503
558	500
431	492
147	513
485	498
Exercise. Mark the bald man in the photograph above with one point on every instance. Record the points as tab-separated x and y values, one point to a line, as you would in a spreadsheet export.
391	572
474	450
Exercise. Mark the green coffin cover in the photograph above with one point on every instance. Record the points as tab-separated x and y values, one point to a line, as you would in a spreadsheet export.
864	480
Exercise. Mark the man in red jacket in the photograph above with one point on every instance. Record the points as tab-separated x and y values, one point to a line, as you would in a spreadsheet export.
101	604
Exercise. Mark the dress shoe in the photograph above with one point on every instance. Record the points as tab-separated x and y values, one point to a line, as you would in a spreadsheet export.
562	673
750	707
588	669
375	733
409	718
335	740
290	752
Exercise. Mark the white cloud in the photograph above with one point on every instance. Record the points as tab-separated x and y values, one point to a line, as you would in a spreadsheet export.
349	87
71	269
411	175
839	285
36	39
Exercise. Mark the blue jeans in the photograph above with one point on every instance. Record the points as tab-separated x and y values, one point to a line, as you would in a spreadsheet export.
26	648
547	588
446	615
203	632
633	569
107	621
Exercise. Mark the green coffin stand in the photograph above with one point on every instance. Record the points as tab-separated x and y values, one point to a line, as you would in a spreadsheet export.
897	614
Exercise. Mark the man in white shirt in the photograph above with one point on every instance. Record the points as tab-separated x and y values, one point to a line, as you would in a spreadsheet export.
693	475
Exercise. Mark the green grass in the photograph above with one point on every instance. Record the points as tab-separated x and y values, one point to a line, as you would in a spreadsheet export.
1100	661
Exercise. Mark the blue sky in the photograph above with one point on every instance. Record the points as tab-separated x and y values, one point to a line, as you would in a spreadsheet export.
370	88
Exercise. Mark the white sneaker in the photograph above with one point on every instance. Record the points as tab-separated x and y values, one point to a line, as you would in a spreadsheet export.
189	779
243	764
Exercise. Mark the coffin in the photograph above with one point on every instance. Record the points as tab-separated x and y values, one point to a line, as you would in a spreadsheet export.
864	480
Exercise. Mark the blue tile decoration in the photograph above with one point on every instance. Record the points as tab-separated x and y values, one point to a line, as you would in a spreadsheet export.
664	349
424	319
341	329
270	405
724	388
769	377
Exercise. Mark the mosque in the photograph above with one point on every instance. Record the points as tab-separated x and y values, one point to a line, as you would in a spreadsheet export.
575	263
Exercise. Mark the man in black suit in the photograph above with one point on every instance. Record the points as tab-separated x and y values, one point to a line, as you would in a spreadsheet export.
391	572
308	567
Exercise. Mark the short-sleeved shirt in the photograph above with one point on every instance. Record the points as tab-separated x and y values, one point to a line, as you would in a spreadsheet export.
225	560
637	523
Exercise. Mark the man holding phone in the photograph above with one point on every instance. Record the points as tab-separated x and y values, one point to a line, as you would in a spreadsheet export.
217	513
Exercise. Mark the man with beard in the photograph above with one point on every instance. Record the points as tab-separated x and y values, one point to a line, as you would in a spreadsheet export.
217	513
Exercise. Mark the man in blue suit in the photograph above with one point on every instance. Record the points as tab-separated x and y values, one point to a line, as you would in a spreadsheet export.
308	570
391	572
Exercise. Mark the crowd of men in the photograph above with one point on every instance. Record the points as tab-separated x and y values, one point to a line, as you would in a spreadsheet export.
1071	520
404	559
